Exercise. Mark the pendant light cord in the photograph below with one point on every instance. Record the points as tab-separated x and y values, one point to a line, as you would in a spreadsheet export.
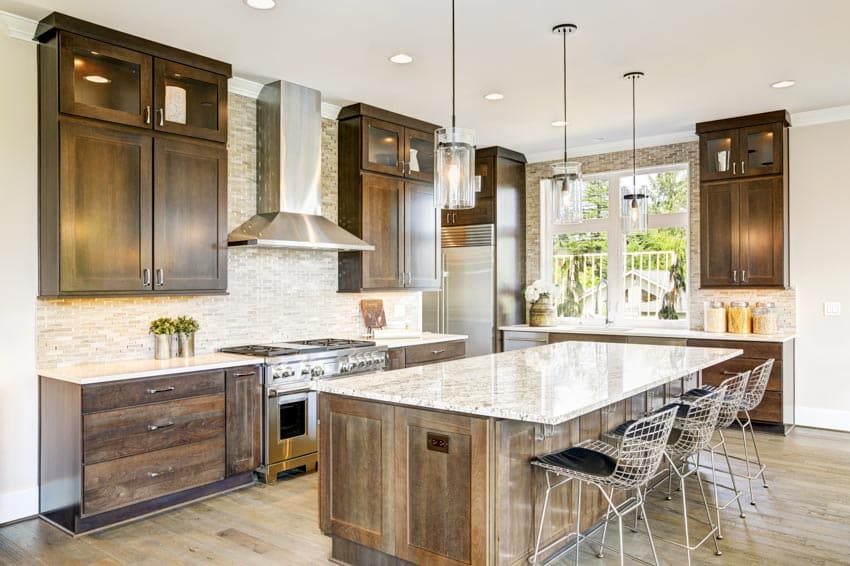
634	139
453	63
565	101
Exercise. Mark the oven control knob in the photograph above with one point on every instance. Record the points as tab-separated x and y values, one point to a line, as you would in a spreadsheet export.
277	372
305	371
318	371
287	372
343	368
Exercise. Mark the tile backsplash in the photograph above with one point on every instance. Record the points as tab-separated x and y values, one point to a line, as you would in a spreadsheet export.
274	294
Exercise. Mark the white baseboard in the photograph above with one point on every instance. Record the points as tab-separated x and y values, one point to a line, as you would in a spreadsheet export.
16	505
823	418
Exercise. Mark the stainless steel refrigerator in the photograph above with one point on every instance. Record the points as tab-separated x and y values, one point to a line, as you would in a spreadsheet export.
467	302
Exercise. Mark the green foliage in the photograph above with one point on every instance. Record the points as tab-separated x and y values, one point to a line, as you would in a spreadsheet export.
678	285
186	325
669	192
162	326
595	200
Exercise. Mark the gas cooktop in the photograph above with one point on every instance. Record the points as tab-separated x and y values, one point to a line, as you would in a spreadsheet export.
297	347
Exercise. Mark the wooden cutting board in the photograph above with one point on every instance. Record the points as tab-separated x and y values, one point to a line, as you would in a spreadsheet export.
373	313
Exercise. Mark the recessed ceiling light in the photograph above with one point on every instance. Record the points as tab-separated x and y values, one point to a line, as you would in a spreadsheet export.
260	4
560	123
494	96
97	79
783	84
401	58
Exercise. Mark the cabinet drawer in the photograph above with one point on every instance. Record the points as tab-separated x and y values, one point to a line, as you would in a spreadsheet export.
714	375
770	408
121	482
540	337
607	338
113	395
134	430
758	350
426	353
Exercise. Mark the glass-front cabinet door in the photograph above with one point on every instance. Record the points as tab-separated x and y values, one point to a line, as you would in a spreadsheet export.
383	147
719	155
419	155
190	101
103	81
761	150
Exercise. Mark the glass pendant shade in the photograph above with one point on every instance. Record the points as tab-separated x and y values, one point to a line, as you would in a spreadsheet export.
567	191
454	174
635	211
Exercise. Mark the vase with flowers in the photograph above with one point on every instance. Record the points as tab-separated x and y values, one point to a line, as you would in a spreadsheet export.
186	326
541	296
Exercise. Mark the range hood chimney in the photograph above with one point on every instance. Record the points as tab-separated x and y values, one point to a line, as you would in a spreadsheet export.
289	192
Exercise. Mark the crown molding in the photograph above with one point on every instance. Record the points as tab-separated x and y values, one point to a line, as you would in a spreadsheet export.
613	146
251	89
19	27
822	116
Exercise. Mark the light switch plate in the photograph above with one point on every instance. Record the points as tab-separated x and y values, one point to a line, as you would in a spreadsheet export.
831	309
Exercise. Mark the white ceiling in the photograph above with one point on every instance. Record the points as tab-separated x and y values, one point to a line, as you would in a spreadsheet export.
703	59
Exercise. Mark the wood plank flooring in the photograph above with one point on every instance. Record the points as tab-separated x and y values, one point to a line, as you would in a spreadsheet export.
804	518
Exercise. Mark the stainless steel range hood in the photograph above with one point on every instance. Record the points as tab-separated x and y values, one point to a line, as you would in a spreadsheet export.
289	191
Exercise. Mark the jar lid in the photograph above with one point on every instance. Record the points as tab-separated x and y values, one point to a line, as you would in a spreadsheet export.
715	304
739	304
768	304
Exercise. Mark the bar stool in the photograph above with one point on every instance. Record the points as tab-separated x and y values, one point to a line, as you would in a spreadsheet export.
735	387
627	466
754	394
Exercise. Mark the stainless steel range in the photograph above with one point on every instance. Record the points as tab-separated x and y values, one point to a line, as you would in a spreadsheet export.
290	368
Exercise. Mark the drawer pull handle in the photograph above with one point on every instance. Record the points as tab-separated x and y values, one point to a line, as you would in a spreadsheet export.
244	374
437	352
726	372
153	427
163	390
157	474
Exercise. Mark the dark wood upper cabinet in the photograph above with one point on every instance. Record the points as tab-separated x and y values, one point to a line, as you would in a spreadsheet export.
190	216
383	159
747	146
719	221
105	210
190	101
129	202
760	232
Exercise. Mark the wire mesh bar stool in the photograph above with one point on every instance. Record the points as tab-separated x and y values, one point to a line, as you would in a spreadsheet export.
756	387
627	466
736	387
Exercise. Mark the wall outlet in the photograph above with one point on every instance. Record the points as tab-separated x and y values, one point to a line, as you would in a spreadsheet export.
831	309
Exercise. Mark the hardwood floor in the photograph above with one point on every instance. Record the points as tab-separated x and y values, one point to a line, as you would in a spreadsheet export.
802	519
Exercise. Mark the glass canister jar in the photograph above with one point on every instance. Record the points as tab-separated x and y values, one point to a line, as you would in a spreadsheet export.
715	316
765	319
739	317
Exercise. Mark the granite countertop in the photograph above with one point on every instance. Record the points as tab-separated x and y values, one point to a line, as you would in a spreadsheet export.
132	369
657	332
424	338
549	385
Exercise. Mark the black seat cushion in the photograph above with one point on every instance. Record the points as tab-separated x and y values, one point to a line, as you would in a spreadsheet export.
699	392
681	412
621	430
581	460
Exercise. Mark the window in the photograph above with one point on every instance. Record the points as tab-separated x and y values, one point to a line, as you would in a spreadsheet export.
604	274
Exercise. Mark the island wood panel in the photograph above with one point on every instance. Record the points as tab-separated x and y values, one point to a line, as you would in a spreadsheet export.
357	472
515	488
442	487
590	428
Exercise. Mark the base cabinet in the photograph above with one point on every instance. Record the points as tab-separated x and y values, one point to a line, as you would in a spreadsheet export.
424	354
116	450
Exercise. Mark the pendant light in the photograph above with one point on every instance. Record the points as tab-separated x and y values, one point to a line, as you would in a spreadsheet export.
565	185
454	157
635	203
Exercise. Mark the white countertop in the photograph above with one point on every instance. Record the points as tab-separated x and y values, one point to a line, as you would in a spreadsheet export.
658	332
131	369
424	338
548	384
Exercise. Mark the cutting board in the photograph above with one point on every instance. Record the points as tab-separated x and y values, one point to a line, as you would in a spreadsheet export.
373	313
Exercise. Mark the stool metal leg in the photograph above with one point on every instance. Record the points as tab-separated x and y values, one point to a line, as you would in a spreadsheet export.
601	553
731	474
578	521
542	518
716	496
642	513
747	462
756	449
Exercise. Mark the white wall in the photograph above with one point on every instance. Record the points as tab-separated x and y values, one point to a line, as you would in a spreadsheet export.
18	280
820	271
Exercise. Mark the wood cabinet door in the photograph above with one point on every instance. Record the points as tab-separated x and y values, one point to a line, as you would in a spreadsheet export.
243	419
190	216
190	101
761	232
104	81
441	472
719	243
421	237
486	168
105	192
761	150
383	227
418	155
719	155
382	145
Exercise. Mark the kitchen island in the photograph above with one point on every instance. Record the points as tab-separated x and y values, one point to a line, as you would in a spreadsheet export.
431	464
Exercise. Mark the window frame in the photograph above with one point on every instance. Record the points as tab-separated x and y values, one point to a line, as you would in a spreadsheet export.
613	227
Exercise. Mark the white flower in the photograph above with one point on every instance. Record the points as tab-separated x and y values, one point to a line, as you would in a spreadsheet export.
539	289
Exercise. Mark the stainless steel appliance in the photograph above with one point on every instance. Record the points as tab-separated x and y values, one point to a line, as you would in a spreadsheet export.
467	303
290	369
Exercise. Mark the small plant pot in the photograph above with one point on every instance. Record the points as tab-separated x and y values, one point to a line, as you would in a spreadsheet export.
185	344
162	346
542	312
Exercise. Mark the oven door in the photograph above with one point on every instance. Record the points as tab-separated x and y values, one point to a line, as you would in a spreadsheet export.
291	426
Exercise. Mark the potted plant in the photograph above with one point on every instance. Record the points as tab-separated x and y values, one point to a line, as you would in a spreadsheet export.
541	296
162	329
186	326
